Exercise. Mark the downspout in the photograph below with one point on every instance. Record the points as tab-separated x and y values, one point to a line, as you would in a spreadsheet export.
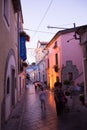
18	42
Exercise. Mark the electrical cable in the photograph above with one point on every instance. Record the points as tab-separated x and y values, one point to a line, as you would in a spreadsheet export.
38	31
42	18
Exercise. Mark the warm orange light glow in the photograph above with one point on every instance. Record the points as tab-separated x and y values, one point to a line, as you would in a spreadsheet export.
51	100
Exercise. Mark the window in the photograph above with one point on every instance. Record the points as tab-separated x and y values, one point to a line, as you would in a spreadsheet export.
86	50
7	11
57	79
55	45
56	59
48	63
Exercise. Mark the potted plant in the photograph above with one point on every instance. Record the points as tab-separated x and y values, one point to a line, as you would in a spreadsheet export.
56	68
24	64
25	35
66	83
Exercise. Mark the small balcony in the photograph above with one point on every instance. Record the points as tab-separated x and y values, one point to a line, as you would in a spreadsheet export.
56	69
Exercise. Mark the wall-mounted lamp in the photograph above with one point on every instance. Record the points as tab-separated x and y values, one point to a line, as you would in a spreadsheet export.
74	36
70	39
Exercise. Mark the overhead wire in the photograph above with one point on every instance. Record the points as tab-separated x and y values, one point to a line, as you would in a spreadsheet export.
43	18
38	31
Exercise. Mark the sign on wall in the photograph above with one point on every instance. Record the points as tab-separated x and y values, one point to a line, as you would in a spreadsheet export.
22	48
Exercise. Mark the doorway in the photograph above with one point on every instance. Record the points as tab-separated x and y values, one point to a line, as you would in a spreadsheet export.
13	87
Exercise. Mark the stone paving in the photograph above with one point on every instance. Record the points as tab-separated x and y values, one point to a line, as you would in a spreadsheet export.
28	115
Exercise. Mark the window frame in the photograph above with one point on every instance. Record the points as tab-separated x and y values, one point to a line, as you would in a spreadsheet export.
6	11
56	59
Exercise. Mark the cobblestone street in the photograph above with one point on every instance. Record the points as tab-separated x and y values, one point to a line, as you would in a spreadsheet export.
28	115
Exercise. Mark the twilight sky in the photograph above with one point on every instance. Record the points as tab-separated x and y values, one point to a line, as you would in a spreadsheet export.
38	14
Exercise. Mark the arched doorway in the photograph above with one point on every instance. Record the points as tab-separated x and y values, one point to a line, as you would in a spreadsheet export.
9	81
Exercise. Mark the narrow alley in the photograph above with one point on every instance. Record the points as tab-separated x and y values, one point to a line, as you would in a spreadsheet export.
29	116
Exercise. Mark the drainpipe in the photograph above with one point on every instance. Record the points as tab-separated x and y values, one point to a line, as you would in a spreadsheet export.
18	41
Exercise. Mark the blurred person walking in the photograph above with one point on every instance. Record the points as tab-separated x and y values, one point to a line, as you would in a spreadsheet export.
42	97
75	92
59	98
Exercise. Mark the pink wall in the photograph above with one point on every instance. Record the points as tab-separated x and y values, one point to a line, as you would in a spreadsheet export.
71	51
67	51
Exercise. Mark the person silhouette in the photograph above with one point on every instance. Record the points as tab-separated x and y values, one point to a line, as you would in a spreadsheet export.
42	97
59	98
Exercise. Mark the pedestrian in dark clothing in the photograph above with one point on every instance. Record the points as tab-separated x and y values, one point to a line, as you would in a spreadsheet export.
59	98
